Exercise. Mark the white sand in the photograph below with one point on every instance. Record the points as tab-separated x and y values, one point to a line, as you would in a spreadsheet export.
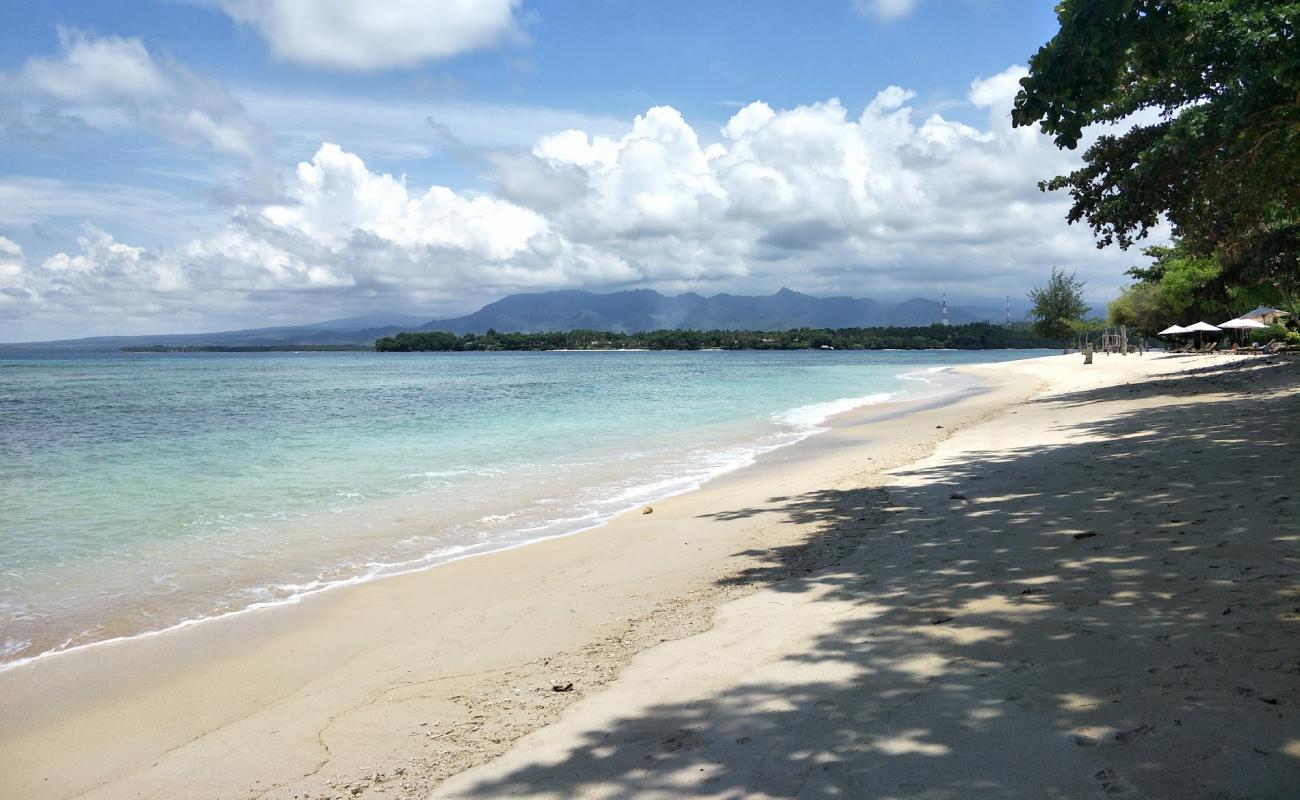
875	635
1094	594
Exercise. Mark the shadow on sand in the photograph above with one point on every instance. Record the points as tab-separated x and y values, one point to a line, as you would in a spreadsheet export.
1117	615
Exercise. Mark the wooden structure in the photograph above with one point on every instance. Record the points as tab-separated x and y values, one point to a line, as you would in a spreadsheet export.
1115	340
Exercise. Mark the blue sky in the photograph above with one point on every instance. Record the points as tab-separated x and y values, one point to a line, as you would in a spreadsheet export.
149	176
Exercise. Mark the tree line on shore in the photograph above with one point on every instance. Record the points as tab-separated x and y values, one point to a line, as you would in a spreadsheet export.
974	336
244	348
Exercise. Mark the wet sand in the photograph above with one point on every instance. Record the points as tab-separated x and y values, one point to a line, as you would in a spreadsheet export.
1033	608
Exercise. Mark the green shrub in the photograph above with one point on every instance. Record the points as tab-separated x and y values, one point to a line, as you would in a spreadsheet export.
1269	334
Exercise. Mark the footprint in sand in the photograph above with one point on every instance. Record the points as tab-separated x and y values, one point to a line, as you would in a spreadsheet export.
1110	782
1128	736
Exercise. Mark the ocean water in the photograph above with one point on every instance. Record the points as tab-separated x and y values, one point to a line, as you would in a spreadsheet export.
141	492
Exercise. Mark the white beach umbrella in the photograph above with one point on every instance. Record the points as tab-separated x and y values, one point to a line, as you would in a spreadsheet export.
1171	330
1200	328
1243	323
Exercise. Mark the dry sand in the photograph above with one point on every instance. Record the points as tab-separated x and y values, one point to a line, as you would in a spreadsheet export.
1090	586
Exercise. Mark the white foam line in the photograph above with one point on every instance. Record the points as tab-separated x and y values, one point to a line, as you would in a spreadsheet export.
749	457
811	417
920	376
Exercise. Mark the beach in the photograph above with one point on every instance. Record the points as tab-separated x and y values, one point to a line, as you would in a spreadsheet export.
1081	581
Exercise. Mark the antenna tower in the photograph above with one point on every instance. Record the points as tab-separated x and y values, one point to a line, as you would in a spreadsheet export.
945	310
1008	310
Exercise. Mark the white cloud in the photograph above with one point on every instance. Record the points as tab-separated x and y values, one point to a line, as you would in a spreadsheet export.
811	196
335	197
96	71
11	267
655	181
363	35
107	82
998	91
104	278
816	197
400	129
343	235
885	9
28	200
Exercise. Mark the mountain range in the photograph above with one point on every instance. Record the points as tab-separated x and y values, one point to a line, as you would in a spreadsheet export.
626	311
647	310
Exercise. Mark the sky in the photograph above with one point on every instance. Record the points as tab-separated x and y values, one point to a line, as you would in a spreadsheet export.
195	165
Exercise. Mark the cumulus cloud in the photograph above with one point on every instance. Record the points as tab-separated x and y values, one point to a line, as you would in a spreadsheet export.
11	270
819	197
998	91
335	197
342	236
103	278
110	82
847	201
361	35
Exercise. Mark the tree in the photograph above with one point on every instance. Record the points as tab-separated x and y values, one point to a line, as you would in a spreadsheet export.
1058	307
1220	160
1188	281
1139	307
974	336
1182	286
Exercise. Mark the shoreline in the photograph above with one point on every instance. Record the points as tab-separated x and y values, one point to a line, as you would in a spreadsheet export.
754	451
88	691
394	686
1040	607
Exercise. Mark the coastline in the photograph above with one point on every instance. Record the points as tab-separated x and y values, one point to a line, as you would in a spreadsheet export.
1093	593
804	422
395	685
79	700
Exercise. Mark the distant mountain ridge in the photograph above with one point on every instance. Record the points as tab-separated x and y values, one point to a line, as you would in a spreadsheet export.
628	311
647	310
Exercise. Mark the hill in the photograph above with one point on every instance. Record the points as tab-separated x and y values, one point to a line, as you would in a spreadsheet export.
646	310
631	311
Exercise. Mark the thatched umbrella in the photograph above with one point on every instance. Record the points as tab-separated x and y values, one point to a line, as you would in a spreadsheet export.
1265	314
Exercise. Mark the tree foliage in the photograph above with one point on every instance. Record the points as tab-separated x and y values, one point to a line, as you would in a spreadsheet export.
1058	307
1214	89
1181	286
975	336
1139	307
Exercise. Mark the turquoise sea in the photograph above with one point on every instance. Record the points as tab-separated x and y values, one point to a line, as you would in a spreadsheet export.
143	491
